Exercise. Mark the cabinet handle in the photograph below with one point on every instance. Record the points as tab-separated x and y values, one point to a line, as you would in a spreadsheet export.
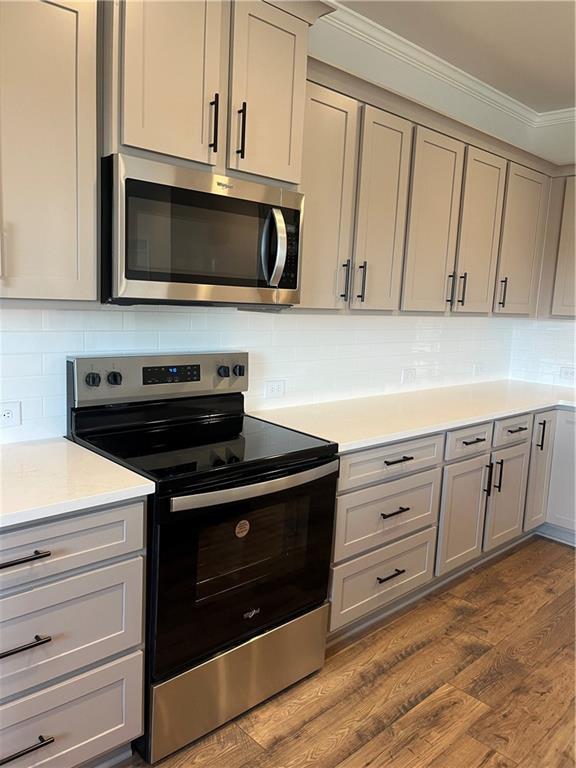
398	461
498	485
38	640
488	489
397	572
518	429
347	264
541	443
362	294
504	284
43	741
242	113
216	104
393	514
464	279
36	556
450	299
473	442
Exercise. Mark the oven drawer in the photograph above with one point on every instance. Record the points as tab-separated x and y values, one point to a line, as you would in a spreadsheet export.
70	542
517	429
469	441
79	719
374	580
380	464
69	624
374	516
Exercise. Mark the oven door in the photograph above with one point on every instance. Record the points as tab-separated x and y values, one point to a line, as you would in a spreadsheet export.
180	236
234	562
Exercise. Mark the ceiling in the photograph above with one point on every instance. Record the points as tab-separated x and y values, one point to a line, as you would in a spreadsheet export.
523	48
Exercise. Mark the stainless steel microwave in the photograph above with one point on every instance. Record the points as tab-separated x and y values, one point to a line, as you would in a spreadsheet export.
173	235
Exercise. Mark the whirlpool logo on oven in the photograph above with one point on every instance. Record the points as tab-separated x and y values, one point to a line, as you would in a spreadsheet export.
251	613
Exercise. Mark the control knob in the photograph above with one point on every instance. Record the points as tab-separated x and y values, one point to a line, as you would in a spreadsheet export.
93	379
223	371
239	370
114	378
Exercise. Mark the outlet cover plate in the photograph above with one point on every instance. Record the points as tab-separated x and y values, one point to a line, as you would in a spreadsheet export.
11	413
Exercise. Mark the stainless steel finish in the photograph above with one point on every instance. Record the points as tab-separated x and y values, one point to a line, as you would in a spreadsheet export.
281	247
126	167
235	681
132	389
228	495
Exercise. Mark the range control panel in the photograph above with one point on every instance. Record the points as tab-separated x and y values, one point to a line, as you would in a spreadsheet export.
128	378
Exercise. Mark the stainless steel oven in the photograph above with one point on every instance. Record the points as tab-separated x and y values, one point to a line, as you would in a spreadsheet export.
175	235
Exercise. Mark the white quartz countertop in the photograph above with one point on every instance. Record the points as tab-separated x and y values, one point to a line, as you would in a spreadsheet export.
370	421
43	478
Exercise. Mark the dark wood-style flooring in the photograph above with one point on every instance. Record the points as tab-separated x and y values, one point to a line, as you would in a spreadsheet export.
480	675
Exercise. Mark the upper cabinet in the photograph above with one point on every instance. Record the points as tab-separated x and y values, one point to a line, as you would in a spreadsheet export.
268	92
480	223
381	210
564	299
329	184
433	222
171	95
522	242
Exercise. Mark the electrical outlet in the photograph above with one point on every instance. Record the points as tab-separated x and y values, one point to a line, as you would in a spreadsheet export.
11	414
275	388
567	373
408	375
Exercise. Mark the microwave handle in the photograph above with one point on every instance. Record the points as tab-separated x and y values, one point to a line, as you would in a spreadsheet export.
281	248
228	495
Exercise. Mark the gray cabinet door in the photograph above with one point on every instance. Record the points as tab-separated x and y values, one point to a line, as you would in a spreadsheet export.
540	467
561	501
564	301
462	513
505	510
48	174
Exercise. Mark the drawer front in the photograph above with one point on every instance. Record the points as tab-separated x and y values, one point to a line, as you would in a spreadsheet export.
380	514
380	464
85	716
517	429
71	542
470	441
371	581
79	620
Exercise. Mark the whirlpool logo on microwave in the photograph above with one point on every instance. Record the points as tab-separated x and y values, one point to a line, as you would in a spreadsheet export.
224	185
251	613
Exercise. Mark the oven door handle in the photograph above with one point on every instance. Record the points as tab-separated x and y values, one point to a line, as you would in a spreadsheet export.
281	248
229	495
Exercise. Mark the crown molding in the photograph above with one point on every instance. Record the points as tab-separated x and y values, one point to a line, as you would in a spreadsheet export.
399	65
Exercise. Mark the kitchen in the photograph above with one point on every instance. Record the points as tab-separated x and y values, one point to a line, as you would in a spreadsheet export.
287	383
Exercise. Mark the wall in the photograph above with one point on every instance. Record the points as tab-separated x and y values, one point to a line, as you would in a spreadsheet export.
543	350
320	356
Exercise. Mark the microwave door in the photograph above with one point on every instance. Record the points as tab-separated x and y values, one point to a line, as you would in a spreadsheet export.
273	264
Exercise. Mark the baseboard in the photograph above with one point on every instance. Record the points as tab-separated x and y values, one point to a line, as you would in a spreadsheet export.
557	533
359	627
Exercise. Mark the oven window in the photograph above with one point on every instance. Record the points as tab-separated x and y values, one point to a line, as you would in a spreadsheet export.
178	235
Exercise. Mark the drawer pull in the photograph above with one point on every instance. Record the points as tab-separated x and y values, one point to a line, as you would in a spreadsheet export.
473	442
393	514
518	429
36	556
398	461
38	640
397	572
541	443
43	741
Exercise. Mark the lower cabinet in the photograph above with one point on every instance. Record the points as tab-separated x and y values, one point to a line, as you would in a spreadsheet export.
505	508
540	469
462	513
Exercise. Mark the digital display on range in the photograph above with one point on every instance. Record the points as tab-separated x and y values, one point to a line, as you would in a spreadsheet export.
170	374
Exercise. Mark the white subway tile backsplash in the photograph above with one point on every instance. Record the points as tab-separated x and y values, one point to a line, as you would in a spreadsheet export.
320	356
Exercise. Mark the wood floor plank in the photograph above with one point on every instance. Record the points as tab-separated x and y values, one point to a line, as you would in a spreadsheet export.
556	750
498	672
466	752
375	704
530	712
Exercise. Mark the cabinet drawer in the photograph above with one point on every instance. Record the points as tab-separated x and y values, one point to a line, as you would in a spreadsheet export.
374	516
85	618
85	717
517	429
373	580
71	542
378	464
461	443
